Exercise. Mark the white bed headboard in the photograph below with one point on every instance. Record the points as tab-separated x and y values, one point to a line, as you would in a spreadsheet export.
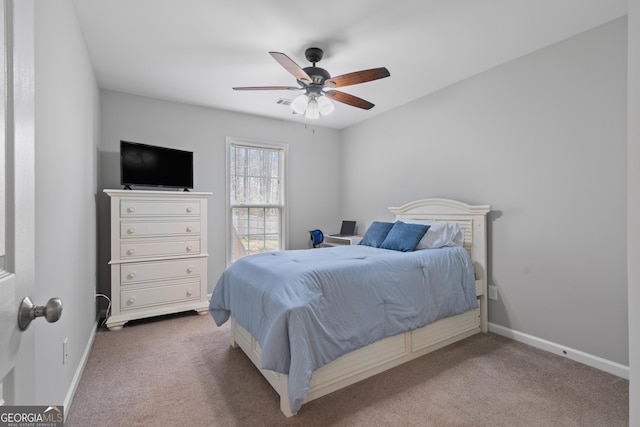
471	218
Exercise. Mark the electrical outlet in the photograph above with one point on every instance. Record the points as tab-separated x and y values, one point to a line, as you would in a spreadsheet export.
493	292
65	350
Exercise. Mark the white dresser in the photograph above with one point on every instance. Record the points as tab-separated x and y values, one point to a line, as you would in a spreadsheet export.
158	254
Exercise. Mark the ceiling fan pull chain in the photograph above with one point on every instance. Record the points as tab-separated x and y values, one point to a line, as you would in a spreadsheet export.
313	128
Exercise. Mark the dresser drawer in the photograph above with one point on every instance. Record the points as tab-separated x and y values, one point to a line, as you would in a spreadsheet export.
133	208
164	248
146	229
143	297
157	270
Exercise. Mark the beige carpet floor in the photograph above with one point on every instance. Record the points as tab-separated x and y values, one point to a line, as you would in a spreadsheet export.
181	371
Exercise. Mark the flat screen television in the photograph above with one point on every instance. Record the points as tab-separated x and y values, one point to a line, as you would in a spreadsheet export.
153	166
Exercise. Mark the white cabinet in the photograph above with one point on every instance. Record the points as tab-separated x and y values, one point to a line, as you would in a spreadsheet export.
158	254
341	240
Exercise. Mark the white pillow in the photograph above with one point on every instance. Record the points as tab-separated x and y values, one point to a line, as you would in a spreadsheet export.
440	234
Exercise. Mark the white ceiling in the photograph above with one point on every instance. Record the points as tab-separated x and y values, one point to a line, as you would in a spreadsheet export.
195	51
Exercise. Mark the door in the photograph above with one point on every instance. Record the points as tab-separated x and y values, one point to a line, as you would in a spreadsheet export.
17	177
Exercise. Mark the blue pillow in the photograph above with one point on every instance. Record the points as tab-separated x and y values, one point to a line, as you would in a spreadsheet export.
376	233
404	237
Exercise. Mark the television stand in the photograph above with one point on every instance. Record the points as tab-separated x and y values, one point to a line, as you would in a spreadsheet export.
127	187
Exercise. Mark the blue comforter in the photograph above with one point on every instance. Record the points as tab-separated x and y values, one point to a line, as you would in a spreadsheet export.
308	307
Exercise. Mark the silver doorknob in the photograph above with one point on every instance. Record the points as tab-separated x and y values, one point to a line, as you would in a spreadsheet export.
29	311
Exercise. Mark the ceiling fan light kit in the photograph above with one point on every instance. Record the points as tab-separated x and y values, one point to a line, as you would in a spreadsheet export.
312	106
299	104
313	80
312	110
325	106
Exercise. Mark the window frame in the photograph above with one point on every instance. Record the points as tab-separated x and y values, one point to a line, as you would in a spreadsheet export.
283	150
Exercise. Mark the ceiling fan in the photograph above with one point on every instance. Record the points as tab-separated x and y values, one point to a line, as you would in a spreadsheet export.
314	80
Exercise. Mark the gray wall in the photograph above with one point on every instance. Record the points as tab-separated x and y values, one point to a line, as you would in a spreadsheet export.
67	129
542	139
633	211
313	163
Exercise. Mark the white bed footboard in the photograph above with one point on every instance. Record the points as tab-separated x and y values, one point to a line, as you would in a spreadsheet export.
367	361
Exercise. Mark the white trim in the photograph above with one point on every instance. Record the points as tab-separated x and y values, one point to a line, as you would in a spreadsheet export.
605	365
78	374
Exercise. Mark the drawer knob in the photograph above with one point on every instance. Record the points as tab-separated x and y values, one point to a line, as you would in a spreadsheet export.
131	230
189	229
189	248
131	209
131	251
190	270
131	275
131	300
189	292
189	209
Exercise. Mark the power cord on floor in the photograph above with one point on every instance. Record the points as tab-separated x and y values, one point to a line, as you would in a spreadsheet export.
106	315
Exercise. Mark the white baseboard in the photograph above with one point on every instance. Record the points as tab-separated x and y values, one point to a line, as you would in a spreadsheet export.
570	353
78	374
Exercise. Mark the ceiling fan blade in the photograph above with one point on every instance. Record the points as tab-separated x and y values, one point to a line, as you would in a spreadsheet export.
267	88
291	66
358	77
345	98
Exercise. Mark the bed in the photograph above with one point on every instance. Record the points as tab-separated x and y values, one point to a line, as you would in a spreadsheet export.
304	346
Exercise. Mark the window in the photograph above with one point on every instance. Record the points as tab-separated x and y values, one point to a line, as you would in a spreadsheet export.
256	198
